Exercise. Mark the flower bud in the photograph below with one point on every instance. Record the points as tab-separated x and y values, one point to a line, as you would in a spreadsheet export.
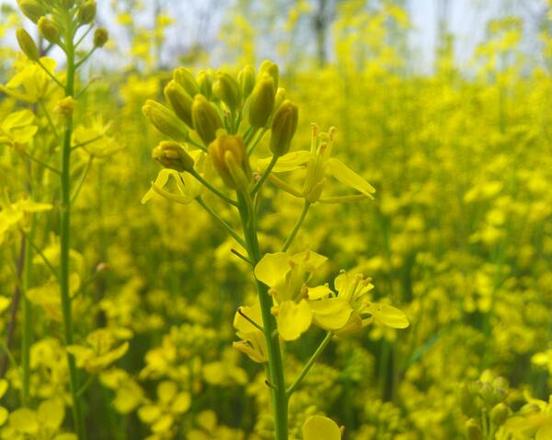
100	37
32	9
173	155
87	12
261	102
66	106
186	80
165	121
473	431
246	78
279	98
271	69
67	4
180	101
205	83
468	403
499	414
206	120
227	89
48	29
27	44
284	125
229	158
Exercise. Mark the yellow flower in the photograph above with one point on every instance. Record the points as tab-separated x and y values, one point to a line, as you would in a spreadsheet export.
30	83
321	428
252	342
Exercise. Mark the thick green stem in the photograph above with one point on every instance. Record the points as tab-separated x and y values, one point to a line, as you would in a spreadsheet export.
65	240
275	364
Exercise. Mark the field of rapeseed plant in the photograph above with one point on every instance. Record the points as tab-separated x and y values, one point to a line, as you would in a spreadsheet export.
322	245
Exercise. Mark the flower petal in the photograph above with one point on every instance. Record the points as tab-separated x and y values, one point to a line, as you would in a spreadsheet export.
348	177
293	319
321	428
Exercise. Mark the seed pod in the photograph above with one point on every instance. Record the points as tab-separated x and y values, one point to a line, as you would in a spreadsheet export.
27	44
227	89
32	9
261	102
165	120
48	29
186	80
206	120
229	158
87	12
284	125
100	37
205	83
173	155
180	101
246	78
270	69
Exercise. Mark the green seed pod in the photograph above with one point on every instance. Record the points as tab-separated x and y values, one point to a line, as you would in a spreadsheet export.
270	69
227	89
205	83
173	155
499	414
165	120
87	12
100	37
229	158
32	9
261	102
473	431
186	80
246	78
180	101
27	44
284	125
206	120
48	29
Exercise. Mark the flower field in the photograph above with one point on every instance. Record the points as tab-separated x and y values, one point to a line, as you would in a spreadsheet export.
324	244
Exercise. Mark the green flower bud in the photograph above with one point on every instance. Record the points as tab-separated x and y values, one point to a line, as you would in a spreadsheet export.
271	69
261	102
227	89
468	403
205	83
473	431
48	29
87	12
165	120
180	101
173	155
32	9
27	44
284	125
246	78
100	37
229	158
186	80
279	98
206	120
499	414
67	4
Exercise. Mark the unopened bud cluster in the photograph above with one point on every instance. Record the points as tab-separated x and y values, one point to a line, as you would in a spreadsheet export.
50	17
221	112
484	399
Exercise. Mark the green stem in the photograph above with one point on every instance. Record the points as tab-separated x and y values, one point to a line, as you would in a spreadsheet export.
275	365
309	364
297	226
265	175
256	142
211	188
65	237
27	310
225	225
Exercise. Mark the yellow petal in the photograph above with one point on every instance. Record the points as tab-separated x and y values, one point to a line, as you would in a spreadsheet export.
293	319
330	313
182	403
388	315
166	391
272	268
320	428
51	413
319	292
348	177
3	415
